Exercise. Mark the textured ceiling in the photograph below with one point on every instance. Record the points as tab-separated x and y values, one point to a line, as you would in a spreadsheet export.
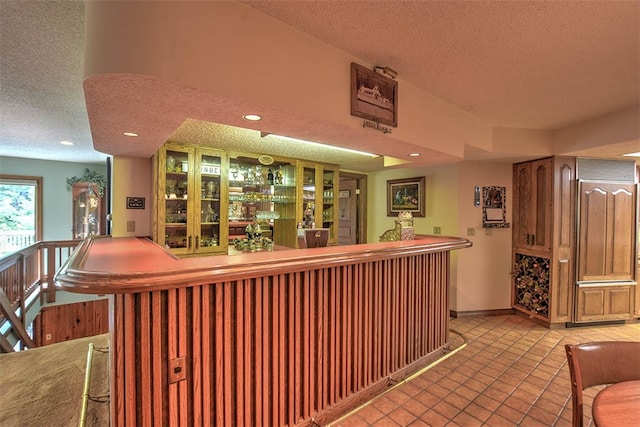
523	64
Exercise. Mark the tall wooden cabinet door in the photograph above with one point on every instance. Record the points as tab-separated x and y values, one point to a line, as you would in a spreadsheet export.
522	184
532	205
607	232
542	201
564	240
172	203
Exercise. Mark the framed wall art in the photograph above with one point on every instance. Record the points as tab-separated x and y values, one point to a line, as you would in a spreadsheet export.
494	207
406	194
373	96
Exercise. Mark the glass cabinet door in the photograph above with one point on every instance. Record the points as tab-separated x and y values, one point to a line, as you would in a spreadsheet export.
176	199
284	204
329	202
189	219
308	197
209	184
86	210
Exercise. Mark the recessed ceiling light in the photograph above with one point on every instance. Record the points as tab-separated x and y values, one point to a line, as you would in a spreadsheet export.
414	154
66	142
252	117
636	154
130	134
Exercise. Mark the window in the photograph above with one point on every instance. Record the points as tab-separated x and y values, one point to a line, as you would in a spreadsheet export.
20	212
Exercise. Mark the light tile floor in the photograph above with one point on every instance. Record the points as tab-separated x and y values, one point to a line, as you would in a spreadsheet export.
512	372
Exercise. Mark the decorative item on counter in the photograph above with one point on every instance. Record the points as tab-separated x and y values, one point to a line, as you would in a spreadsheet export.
392	235
253	240
406	225
309	221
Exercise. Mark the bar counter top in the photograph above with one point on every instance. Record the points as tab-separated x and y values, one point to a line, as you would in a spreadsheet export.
116	265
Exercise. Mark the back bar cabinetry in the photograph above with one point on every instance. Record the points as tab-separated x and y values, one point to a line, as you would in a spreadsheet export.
206	198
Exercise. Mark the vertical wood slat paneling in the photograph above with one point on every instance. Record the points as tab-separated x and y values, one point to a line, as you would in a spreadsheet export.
207	348
130	350
196	356
276	350
238	351
247	351
174	408
158	367
117	336
144	340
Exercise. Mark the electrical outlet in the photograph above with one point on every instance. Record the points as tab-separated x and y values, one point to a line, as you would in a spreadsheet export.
471	231
131	226
437	230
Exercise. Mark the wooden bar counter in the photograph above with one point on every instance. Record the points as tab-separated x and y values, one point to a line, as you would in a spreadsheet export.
280	338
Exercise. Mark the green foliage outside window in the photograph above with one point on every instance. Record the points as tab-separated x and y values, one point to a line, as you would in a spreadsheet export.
17	207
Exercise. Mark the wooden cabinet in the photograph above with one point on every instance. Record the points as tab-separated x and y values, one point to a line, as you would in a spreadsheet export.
532	205
607	232
544	238
88	215
319	197
604	302
574	240
190	207
606	251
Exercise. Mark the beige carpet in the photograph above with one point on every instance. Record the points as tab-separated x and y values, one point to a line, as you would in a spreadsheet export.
43	386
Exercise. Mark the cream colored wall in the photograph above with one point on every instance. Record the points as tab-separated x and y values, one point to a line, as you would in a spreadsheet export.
480	275
131	177
441	203
483	280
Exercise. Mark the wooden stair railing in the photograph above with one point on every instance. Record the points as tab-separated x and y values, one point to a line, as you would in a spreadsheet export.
26	276
15	322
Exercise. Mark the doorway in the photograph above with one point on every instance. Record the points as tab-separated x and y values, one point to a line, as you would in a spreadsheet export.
352	213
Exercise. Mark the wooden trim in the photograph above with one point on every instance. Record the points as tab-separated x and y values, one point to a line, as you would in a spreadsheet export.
14	321
482	313
361	184
120	266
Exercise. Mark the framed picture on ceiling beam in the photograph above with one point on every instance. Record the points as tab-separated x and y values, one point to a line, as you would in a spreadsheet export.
373	96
